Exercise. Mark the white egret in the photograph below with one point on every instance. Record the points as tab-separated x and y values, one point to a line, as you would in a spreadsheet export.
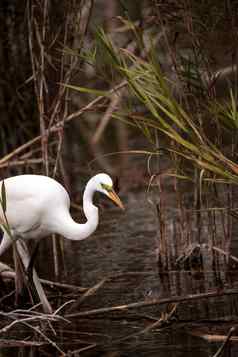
37	206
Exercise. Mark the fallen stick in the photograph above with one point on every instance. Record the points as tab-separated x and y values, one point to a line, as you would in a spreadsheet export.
151	302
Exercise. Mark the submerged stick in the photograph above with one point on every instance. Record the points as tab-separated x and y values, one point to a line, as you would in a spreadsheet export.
152	302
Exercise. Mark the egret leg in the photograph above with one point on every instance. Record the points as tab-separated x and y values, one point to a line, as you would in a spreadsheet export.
30	266
5	244
25	257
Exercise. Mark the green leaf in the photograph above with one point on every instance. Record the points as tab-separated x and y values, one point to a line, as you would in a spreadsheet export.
86	90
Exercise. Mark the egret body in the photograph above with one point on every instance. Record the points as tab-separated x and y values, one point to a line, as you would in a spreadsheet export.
37	206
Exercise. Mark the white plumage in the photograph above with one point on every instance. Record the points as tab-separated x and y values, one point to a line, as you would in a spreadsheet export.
37	206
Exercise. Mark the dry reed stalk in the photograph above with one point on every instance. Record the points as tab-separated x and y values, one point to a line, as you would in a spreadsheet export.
181	218
229	220
25	321
52	102
160	208
38	68
42	85
28	318
198	204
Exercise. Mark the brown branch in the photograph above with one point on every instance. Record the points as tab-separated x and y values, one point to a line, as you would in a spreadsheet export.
115	100
151	302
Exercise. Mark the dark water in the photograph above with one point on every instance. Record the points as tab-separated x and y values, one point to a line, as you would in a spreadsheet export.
124	250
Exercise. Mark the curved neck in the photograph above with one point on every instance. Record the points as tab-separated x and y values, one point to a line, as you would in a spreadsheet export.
76	231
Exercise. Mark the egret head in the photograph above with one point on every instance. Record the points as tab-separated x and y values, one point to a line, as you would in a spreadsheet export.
104	185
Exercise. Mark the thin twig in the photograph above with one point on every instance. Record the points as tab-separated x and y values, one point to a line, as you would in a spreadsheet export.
88	293
80	350
45	338
115	100
54	284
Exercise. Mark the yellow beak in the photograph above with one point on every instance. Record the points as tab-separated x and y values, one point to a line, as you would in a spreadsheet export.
114	197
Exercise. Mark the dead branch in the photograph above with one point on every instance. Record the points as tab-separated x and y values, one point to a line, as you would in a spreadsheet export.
151	302
115	100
